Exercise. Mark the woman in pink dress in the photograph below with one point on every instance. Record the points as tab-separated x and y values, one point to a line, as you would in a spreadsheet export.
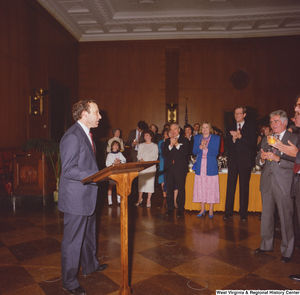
206	186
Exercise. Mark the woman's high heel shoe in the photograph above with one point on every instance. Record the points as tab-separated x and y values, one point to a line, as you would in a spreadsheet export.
210	216
148	205
139	203
201	214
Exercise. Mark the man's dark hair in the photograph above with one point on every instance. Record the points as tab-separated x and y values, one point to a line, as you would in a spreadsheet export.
80	106
142	125
241	107
188	126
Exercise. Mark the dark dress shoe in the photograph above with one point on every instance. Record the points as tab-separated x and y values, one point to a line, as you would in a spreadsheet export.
179	214
285	259
258	250
227	216
169	213
295	277
78	291
101	268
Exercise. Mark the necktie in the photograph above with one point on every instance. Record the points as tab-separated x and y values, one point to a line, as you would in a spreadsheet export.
296	168
240	128
139	136
91	135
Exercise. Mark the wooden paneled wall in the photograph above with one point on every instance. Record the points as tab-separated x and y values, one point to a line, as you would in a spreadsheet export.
34	47
128	79
13	73
272	64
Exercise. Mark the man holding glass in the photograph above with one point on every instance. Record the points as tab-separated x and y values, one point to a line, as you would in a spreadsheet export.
275	187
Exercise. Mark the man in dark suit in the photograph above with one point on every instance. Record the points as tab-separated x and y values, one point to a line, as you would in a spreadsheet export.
136	137
188	133
76	200
175	150
240	142
275	187
196	129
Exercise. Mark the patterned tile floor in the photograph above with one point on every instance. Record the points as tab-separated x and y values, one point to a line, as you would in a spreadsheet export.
167	255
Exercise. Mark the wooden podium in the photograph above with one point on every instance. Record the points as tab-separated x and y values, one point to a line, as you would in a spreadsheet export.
123	175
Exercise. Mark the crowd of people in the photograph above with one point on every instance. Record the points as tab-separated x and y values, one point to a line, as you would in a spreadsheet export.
175	147
275	150
244	148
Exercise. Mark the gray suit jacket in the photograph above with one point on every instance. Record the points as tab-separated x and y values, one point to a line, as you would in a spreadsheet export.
283	171
78	162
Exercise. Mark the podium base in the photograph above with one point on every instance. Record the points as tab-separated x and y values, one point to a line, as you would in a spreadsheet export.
124	290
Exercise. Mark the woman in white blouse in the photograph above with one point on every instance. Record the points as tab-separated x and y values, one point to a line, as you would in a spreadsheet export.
147	151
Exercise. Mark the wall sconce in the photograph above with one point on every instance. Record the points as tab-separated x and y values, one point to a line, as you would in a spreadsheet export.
36	103
172	112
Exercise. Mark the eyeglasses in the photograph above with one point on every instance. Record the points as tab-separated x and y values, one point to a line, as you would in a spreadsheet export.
238	113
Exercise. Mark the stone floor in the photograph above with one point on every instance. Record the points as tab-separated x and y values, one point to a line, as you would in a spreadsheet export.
167	255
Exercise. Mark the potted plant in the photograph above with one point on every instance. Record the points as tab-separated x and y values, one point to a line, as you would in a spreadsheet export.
50	149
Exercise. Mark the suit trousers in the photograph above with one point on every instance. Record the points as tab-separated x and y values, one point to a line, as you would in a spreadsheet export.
78	246
244	174
284	203
174	178
296	216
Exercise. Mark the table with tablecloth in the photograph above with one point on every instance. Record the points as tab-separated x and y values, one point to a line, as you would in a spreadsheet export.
254	194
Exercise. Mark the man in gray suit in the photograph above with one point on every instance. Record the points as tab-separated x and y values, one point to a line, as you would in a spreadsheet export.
76	200
292	150
275	186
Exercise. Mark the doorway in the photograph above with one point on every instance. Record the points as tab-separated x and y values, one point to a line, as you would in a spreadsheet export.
59	110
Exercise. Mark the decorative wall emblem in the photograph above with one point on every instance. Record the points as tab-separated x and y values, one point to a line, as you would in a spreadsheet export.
28	174
240	80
